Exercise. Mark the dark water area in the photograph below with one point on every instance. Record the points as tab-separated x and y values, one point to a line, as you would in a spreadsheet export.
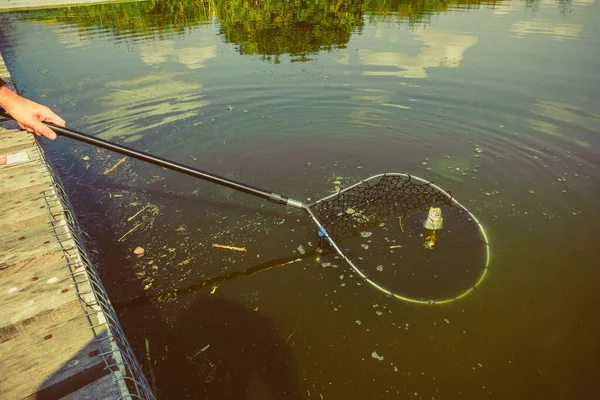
496	102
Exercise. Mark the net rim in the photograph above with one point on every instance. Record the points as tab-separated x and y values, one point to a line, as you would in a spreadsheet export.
323	233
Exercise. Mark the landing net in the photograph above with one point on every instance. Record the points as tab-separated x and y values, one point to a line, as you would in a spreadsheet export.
377	226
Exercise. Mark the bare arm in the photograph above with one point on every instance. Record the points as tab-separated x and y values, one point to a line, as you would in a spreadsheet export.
29	114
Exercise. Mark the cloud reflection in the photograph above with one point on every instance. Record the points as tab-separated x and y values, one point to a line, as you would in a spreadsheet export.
73	37
442	49
565	121
542	27
142	104
158	52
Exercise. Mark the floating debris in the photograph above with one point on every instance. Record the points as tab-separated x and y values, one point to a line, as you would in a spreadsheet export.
301	250
138	213
131	230
478	149
111	169
378	312
366	234
138	251
350	211
230	108
446	320
379	268
364	246
204	348
221	246
358	322
376	356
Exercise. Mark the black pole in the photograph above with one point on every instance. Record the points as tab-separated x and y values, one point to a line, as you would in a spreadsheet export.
162	162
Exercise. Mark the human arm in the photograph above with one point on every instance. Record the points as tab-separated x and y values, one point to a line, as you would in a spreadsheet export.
27	113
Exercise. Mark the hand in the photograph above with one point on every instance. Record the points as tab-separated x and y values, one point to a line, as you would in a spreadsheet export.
29	114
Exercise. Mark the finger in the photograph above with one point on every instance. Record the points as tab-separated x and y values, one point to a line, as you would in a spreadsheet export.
3	160
26	127
55	119
42	129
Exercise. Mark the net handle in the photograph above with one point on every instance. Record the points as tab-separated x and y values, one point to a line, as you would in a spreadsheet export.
169	164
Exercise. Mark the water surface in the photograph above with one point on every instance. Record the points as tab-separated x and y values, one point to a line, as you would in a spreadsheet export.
302	98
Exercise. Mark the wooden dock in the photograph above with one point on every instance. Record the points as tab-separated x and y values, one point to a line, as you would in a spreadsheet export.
59	336
6	5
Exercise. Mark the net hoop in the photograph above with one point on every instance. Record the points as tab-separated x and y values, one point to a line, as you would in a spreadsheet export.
324	234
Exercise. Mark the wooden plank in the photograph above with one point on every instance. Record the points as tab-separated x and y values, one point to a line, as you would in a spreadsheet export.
32	153
63	352
36	297
33	179
28	244
24	211
25	265
4	74
18	168
31	4
12	141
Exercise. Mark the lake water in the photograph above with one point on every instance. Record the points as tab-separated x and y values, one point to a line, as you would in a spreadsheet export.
497	102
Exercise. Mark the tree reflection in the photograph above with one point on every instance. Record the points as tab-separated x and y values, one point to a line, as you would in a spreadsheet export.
298	28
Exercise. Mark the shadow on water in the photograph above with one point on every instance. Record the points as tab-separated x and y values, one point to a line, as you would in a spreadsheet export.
215	349
195	346
206	347
214	281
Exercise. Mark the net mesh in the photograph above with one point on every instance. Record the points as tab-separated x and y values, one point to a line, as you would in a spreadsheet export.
378	226
370	202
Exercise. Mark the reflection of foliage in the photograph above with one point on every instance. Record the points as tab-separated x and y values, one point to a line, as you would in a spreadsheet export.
565	6
269	28
145	17
415	12
297	27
